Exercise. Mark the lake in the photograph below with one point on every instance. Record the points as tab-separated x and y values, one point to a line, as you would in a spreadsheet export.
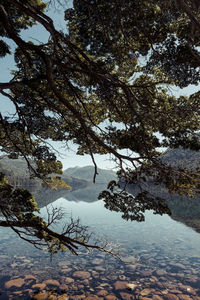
159	259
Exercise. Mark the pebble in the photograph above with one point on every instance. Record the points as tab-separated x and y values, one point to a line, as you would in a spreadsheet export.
39	286
160	272
145	273
131	286
102	293
184	297
81	274
157	297
171	297
63	297
110	297
69	280
146	292
52	282
97	261
92	297
126	296
40	296
120	285
17	283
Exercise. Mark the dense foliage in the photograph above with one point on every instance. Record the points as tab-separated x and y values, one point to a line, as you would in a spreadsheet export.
106	84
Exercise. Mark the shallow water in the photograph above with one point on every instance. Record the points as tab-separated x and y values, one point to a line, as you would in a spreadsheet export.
159	257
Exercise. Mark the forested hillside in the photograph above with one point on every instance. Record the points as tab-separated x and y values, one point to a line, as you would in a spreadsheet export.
91	192
18	175
182	158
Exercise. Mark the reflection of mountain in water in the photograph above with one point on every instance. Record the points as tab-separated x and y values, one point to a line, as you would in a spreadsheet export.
185	210
79	179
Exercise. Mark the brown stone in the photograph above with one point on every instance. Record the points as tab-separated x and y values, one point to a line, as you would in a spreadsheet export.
66	270
77	297
102	293
157	297
14	283
63	297
160	272
28	277
131	286
39	286
126	296
85	282
63	287
184	297
146	292
171	297
92	297
17	293
52	282
52	297
40	296
121	285
81	274
175	292
110	297
69	280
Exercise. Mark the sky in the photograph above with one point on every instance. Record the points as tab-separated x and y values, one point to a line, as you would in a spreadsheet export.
67	155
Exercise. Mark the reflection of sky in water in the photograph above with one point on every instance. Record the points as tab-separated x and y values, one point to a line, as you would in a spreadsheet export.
160	230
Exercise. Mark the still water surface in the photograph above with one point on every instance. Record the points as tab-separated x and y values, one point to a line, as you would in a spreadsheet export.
160	258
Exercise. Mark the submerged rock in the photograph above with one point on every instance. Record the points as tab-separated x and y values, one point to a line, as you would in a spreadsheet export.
126	296
39	286
52	282
18	282
82	274
131	286
120	285
171	297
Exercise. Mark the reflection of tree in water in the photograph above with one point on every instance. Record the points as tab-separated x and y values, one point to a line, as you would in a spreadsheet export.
20	212
132	207
186	210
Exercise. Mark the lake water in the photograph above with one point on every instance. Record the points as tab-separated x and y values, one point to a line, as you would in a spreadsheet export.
160	259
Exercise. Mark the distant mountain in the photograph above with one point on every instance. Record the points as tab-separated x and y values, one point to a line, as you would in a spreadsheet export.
87	173
18	175
91	192
180	157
